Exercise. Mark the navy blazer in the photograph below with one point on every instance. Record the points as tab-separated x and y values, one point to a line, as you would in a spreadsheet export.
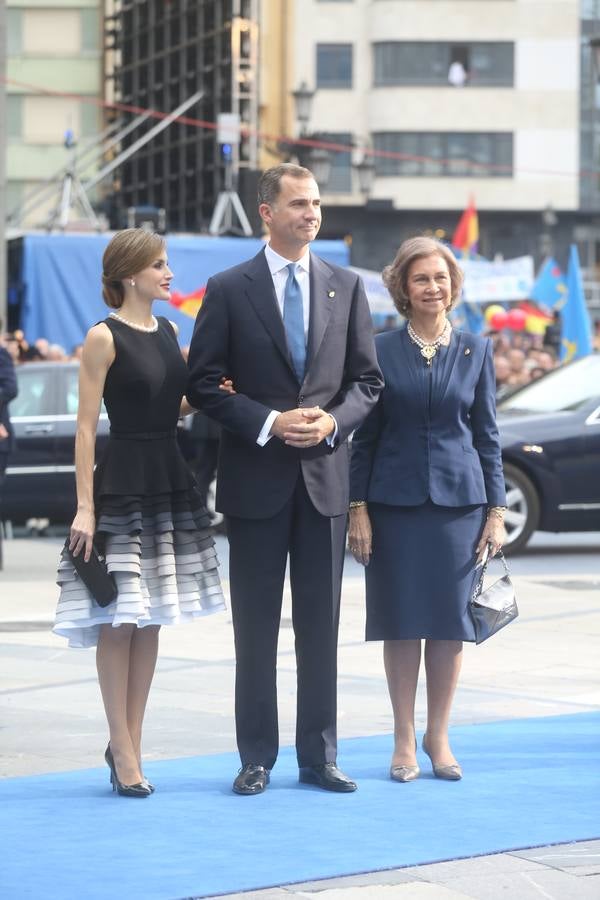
8	391
414	446
239	333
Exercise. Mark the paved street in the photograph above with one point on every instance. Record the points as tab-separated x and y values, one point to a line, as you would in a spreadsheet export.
544	664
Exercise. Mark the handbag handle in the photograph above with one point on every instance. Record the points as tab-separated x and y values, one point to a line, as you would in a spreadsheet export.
485	561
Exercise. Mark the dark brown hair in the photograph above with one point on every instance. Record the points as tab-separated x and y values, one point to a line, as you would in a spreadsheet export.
129	251
269	185
395	276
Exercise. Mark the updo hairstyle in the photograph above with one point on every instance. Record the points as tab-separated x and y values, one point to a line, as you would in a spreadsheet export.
129	251
395	276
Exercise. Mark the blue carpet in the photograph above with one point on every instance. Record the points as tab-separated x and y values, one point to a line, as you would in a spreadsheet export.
528	782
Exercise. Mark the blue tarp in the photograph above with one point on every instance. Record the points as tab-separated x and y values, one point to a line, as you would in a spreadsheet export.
61	274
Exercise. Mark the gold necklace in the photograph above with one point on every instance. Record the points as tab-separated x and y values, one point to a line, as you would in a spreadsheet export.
430	348
149	329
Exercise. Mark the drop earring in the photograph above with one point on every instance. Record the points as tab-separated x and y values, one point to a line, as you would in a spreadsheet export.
132	283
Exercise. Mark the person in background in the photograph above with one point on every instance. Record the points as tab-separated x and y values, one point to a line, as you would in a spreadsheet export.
8	391
426	497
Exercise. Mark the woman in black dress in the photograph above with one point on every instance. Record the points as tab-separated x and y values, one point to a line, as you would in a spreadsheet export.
427	491
140	507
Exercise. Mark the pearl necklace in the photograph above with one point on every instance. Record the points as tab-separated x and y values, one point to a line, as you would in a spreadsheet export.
430	348
149	329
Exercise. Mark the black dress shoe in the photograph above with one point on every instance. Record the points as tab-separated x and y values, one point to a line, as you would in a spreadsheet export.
251	779
327	776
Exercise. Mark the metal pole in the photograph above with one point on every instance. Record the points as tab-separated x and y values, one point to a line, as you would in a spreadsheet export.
3	266
164	123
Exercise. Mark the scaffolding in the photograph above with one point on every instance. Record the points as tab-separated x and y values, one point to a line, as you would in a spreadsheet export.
157	54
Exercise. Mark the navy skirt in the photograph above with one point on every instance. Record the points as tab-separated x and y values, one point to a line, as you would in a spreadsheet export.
421	572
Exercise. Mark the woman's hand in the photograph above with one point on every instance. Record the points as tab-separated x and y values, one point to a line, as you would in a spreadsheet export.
493	533
82	534
227	386
360	535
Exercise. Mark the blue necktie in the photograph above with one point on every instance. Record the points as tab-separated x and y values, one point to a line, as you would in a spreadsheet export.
293	320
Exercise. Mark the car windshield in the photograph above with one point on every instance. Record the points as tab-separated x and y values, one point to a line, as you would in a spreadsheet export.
563	389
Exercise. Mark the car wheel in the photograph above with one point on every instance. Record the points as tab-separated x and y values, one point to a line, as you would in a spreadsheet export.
523	509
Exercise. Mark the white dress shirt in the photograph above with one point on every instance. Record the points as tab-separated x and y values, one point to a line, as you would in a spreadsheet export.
280	273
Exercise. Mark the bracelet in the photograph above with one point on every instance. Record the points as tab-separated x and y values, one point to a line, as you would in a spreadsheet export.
497	511
354	504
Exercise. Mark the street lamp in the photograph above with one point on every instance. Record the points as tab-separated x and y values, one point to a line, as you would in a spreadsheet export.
317	159
365	170
302	105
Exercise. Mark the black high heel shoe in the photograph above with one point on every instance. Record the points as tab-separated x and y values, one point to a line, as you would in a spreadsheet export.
141	789
144	780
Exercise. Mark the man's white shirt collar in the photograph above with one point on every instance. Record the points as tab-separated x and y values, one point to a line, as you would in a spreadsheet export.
276	262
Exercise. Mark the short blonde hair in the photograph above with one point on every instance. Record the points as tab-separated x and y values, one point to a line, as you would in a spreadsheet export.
395	276
129	251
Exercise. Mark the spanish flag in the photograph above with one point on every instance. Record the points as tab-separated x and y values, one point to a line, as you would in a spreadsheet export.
188	303
466	236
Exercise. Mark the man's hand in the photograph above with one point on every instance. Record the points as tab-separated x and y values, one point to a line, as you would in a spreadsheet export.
303	428
3	432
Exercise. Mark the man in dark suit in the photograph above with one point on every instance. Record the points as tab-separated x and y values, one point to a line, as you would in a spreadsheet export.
8	391
294	334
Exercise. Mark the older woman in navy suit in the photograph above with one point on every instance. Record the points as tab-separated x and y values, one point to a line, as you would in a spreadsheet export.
427	495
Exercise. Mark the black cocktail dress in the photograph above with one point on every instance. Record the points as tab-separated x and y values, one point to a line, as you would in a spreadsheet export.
150	521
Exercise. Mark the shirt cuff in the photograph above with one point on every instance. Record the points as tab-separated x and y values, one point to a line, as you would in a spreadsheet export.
264	437
332	438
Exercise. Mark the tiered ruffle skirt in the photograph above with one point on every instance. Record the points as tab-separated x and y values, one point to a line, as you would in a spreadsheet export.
162	554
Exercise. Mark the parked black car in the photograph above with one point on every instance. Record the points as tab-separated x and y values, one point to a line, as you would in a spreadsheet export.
40	480
550	433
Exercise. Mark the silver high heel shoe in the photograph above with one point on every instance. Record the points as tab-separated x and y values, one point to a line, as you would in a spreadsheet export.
447	773
404	773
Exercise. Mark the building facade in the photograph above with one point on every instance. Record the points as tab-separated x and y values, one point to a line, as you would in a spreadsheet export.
460	99
54	85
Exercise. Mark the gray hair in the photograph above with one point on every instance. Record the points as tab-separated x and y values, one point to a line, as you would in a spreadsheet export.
395	276
269	186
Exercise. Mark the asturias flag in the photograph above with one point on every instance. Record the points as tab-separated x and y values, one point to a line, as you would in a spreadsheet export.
576	325
466	236
550	288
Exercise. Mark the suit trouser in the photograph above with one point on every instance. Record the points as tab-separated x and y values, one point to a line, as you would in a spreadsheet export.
259	549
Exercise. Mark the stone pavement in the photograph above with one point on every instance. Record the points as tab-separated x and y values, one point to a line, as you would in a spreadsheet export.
52	717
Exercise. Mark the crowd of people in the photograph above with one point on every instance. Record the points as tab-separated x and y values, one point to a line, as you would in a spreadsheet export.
519	359
41	350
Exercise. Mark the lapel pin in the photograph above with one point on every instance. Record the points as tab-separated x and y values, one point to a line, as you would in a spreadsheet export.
331	294
467	352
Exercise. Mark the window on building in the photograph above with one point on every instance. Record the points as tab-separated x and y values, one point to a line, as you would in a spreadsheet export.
14	25
340	176
486	64
14	116
90	30
334	65
445	154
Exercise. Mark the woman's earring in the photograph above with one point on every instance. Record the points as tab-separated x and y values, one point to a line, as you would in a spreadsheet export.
132	283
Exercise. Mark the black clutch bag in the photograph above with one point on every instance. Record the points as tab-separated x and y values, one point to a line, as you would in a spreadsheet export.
496	606
98	580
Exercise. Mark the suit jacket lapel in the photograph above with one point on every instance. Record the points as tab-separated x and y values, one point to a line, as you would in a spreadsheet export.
261	293
455	345
415	376
322	299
